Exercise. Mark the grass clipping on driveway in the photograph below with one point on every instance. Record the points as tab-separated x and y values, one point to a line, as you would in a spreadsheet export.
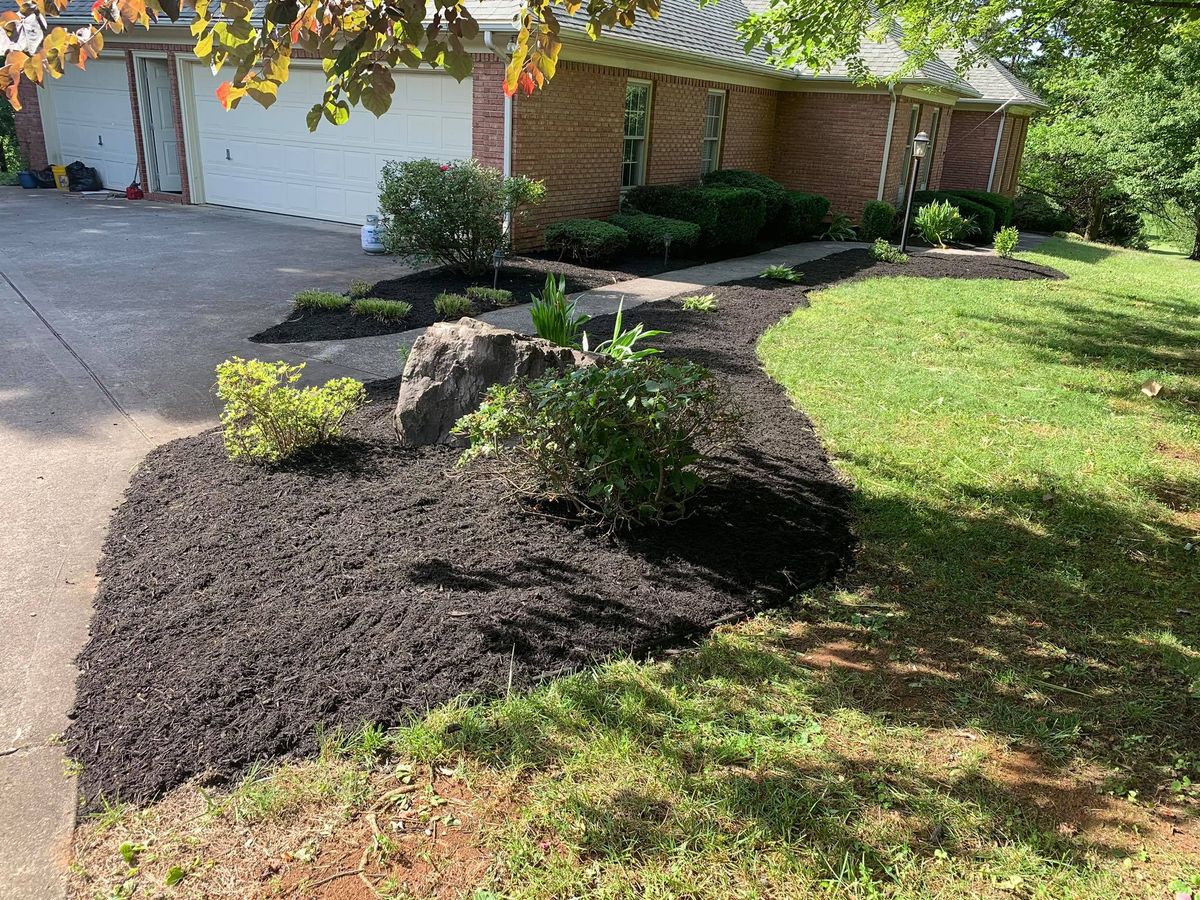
1001	701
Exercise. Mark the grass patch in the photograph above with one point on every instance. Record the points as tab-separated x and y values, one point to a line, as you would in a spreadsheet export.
321	300
388	310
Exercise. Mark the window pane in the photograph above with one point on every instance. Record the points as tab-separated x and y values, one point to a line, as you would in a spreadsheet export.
637	100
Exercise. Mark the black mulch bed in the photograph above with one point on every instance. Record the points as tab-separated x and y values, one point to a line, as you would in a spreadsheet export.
242	608
858	264
523	275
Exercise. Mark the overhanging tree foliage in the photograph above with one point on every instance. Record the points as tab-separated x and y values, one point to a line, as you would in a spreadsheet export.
361	41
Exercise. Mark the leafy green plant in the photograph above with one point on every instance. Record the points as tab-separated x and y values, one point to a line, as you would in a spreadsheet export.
320	300
939	222
613	444
453	214
781	273
1006	241
453	306
699	302
649	233
885	252
801	216
840	229
555	318
267	419
981	215
359	289
494	296
621	345
388	310
586	240
1003	208
878	220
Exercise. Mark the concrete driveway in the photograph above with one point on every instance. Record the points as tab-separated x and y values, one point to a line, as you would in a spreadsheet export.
113	316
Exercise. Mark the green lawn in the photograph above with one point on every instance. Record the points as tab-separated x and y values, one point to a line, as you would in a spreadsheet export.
1002	699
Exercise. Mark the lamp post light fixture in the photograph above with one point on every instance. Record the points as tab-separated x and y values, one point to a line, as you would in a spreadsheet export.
497	262
666	247
919	148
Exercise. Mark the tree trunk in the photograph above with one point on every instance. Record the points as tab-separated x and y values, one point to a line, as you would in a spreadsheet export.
1196	241
1092	232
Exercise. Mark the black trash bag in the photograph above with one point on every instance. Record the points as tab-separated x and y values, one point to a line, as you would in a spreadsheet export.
83	178
44	177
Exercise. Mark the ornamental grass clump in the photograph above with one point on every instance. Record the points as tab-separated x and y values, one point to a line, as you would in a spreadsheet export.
386	310
453	306
320	300
612	445
266	419
494	296
940	221
555	318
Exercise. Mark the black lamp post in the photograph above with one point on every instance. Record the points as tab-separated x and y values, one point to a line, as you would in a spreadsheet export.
920	145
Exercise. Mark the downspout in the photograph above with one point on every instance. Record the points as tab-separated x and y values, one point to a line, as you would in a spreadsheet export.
999	137
506	152
887	143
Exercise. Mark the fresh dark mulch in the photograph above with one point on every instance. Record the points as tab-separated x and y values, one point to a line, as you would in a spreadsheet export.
242	608
858	264
523	275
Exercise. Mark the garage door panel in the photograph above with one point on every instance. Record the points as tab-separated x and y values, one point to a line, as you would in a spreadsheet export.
277	165
93	120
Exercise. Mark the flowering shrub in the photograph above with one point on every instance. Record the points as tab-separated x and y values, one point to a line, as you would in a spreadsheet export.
452	214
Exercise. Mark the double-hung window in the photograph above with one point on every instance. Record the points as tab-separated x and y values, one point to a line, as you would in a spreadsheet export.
714	122
927	162
637	131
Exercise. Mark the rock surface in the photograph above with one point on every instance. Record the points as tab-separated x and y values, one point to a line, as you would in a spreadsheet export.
453	364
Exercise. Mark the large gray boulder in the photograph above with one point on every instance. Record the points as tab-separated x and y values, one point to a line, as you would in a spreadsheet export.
453	364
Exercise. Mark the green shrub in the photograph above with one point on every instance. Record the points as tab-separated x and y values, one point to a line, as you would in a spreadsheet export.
555	318
700	302
1003	208
982	216
388	310
773	192
781	273
649	233
878	221
940	221
453	306
801	216
586	240
359	289
494	296
885	252
614	444
320	300
840	229
728	217
621	346
453	214
1006	241
266	419
1037	212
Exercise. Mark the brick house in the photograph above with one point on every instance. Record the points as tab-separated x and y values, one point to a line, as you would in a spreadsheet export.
660	104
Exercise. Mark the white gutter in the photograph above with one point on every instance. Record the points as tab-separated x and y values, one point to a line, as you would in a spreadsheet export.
508	107
887	143
999	136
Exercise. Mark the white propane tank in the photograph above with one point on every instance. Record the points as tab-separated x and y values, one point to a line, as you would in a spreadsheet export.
372	236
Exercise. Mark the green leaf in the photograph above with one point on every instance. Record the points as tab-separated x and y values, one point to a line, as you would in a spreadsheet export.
175	874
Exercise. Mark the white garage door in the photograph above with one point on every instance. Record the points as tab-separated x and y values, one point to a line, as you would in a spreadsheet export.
268	160
92	120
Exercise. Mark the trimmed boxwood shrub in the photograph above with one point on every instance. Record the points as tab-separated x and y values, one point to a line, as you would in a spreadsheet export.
1002	206
878	220
773	192
586	240
985	219
728	217
646	232
802	214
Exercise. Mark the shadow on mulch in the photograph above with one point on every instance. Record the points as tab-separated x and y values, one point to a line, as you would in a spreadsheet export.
242	608
523	275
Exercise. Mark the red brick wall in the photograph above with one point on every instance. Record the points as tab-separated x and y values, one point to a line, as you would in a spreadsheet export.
570	135
968	156
1009	164
832	144
749	140
487	116
30	137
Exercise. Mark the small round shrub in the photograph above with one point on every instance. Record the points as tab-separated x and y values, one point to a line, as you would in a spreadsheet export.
1006	241
648	233
586	240
773	192
802	215
878	220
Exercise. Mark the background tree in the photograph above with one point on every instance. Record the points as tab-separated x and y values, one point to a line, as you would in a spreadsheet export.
363	40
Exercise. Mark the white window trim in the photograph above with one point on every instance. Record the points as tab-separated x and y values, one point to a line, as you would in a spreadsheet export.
644	139
935	125
720	138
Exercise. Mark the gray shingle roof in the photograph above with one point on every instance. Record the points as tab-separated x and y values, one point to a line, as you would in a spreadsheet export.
995	83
